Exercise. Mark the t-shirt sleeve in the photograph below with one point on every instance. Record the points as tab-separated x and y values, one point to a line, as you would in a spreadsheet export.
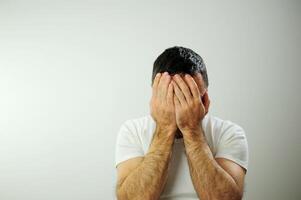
128	144
233	144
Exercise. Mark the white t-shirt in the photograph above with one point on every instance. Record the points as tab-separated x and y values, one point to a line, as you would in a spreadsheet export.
225	139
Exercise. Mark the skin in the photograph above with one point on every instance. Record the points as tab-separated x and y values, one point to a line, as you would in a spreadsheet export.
212	178
145	177
178	105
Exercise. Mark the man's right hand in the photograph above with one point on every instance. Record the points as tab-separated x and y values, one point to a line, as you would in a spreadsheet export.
162	104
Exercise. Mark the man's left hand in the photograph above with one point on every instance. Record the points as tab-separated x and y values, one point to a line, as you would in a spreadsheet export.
191	105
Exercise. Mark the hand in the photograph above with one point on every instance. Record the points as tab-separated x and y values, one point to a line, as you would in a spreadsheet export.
162	103
190	109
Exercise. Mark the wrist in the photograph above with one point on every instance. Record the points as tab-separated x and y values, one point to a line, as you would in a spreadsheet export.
167	131
193	133
190	130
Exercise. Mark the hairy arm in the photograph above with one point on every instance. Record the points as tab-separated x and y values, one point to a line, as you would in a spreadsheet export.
210	180
148	179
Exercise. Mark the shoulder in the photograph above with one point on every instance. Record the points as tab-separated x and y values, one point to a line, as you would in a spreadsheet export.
222	127
138	123
138	126
222	124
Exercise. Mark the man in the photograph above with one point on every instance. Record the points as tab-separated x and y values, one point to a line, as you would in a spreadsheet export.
179	151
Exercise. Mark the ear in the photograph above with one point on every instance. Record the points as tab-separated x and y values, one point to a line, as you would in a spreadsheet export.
206	101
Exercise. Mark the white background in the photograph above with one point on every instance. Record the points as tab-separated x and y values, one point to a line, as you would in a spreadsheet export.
72	71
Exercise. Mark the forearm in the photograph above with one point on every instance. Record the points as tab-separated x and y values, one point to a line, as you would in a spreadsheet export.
148	179
210	180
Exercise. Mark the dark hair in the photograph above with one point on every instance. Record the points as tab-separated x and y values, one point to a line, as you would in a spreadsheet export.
177	60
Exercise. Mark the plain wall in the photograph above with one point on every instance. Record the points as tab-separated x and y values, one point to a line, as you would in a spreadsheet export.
72	71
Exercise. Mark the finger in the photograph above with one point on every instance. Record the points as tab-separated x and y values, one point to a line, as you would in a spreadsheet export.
156	82
192	86
176	101
163	85
183	87
170	94
179	94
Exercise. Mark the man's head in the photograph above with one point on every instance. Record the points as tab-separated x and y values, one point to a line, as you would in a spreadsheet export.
180	60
